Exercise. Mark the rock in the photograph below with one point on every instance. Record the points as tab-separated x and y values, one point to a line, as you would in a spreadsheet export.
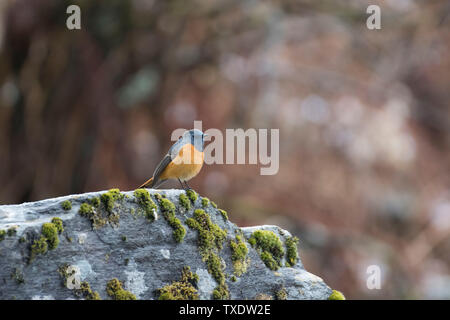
141	244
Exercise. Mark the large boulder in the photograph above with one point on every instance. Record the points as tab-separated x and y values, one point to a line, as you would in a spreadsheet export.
145	244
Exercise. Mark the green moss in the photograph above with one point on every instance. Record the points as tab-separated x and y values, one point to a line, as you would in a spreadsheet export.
95	201
49	238
216	267
167	205
66	205
115	290
210	235
12	231
38	247
192	195
146	202
263	296
291	251
109	198
87	293
210	241
22	240
184	201
205	202
221	292
58	224
18	276
214	204
336	295
239	253
179	232
87	210
124	238
64	273
50	232
168	210
233	278
282	294
269	247
158	196
84	291
185	289
224	214
269	261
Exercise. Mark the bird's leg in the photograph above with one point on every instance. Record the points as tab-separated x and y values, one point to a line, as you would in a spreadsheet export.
185	182
181	184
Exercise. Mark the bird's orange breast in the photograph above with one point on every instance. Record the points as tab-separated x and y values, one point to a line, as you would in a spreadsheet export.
186	165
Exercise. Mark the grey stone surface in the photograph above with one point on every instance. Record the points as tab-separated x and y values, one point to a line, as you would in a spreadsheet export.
148	259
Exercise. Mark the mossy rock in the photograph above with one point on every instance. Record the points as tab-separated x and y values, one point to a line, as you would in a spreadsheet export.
140	257
210	241
336	295
184	201
109	198
115	290
144	199
269	246
185	289
239	252
66	205
168	209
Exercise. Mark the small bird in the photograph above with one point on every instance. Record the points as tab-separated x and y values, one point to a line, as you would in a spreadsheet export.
183	161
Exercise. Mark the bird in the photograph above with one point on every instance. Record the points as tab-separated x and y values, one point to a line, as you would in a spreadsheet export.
183	161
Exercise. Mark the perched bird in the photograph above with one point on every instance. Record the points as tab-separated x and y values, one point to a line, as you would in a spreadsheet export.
183	161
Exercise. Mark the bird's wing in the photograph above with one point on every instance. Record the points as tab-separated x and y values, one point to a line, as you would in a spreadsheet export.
175	149
160	167
173	152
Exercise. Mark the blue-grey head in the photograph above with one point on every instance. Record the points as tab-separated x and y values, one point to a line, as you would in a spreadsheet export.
196	138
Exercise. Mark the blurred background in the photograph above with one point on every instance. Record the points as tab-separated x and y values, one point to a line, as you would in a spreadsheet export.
364	118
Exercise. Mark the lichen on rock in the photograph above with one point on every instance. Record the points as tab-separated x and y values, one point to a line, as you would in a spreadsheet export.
84	290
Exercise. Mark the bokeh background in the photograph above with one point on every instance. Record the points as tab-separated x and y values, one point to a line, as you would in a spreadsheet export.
363	115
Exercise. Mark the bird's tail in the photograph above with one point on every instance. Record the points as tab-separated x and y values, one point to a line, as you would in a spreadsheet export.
148	183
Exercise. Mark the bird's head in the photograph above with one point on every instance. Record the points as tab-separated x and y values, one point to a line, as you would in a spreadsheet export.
195	137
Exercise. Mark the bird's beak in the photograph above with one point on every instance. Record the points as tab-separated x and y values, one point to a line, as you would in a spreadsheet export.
205	135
